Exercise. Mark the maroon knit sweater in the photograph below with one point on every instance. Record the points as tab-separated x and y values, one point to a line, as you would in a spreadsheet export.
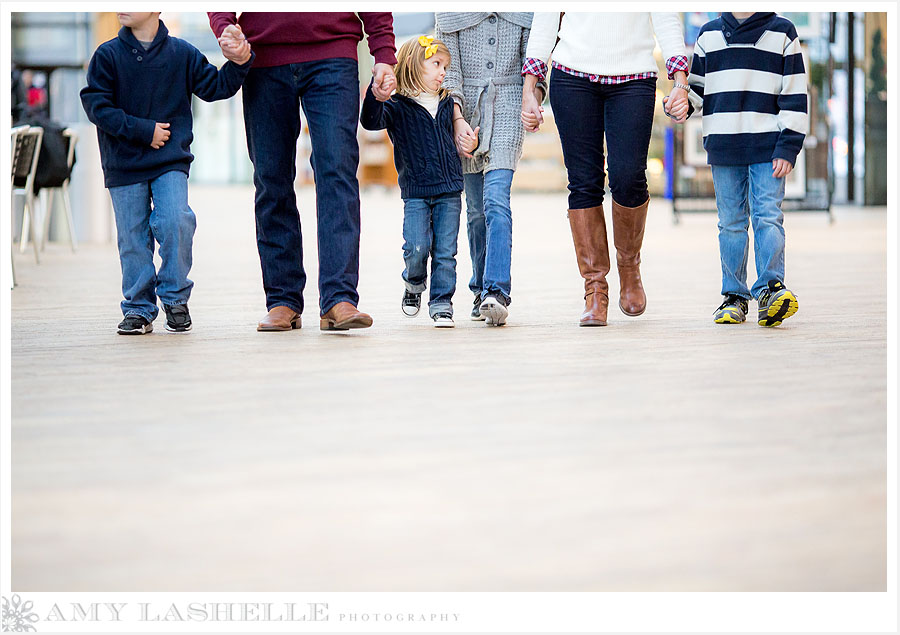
289	38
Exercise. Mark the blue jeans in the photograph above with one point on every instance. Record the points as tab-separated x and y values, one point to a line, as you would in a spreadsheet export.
147	213
745	194
489	224
431	227
328	92
585	113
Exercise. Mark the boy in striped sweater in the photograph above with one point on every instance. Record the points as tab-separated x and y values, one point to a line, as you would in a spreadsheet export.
748	69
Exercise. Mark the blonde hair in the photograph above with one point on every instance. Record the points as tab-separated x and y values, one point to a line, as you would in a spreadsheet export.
410	61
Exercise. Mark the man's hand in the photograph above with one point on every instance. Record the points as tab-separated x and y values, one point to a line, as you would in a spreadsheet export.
234	44
161	134
781	168
384	82
532	111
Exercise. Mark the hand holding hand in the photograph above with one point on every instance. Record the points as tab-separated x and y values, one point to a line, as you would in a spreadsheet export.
532	111
161	134
781	168
681	119
384	82
234	44
676	104
468	141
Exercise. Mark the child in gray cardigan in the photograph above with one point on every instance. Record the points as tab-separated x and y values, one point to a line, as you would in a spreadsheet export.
487	51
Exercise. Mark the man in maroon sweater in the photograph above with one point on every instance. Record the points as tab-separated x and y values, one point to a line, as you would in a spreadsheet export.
307	60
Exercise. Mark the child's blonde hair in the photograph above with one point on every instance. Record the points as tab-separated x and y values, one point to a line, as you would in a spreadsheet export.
410	60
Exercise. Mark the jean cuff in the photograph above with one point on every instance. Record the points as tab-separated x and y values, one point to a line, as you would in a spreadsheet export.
414	288
440	307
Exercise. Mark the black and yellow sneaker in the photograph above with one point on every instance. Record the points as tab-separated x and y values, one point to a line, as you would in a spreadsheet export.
732	311
776	304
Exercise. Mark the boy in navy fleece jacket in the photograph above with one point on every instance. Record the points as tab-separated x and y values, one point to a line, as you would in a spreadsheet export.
138	94
748	68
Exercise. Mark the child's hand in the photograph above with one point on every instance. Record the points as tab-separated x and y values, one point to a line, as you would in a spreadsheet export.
468	141
781	168
532	116
160	135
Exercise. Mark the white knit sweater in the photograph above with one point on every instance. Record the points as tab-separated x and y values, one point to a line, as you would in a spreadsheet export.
605	43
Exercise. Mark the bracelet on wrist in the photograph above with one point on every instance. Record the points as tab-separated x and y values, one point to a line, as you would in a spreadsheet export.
682	86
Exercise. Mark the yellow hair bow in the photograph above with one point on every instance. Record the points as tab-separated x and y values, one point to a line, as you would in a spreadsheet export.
426	42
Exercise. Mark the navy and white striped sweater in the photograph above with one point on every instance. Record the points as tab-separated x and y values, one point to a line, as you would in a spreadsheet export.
753	84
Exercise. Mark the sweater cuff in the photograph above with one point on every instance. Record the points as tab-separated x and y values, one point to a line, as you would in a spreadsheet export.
536	67
676	63
786	153
144	130
384	55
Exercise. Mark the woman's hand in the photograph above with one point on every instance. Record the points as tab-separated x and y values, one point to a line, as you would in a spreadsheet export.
532	111
463	133
676	104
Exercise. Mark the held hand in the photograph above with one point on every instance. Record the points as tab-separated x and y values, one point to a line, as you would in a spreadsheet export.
461	131
681	119
781	168
532	116
384	82
677	104
468	142
234	44
161	134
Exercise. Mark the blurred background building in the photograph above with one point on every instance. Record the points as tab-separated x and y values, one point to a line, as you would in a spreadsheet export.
845	156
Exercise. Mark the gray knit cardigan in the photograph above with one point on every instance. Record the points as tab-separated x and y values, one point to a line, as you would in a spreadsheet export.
485	78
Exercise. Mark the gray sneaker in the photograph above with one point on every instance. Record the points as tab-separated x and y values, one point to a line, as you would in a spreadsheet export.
443	320
493	308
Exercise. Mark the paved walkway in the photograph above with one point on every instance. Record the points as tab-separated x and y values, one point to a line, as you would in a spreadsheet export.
658	453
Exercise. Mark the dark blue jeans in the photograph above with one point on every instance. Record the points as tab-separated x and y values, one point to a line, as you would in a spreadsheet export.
328	92
584	112
431	228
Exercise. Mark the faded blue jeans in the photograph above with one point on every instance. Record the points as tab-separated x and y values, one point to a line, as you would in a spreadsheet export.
489	224
148	213
431	228
745	194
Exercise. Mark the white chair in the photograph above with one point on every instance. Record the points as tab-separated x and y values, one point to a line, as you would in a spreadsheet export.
29	148
49	195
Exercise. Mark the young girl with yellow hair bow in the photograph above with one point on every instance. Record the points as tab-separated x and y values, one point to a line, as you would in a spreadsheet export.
419	121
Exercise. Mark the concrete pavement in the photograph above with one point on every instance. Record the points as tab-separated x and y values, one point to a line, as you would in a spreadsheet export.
658	453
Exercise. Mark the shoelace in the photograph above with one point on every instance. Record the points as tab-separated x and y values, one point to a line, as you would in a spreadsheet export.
730	300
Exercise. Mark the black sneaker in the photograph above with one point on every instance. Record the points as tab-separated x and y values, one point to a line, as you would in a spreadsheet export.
134	325
776	304
411	303
178	318
732	311
493	308
476	310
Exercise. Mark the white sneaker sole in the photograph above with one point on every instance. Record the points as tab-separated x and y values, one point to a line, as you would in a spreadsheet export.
444	324
494	312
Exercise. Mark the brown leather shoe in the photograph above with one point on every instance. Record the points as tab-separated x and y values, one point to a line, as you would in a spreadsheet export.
628	232
343	316
592	252
279	318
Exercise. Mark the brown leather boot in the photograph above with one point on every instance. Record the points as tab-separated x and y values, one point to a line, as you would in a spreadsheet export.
592	252
343	316
280	318
628	236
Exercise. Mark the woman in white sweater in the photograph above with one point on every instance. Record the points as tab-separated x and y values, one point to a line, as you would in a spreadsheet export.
604	83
